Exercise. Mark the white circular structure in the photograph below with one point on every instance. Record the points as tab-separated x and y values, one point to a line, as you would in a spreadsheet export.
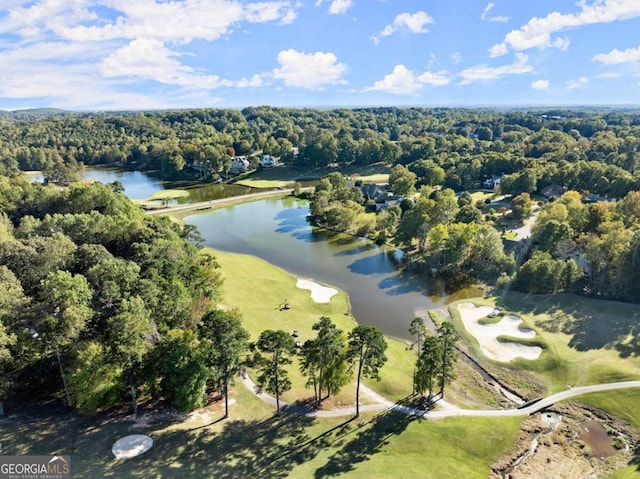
131	446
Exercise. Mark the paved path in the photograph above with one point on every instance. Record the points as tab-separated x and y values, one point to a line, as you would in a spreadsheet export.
222	201
444	409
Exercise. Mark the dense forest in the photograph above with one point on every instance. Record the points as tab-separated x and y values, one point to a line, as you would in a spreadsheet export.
99	300
581	150
99	295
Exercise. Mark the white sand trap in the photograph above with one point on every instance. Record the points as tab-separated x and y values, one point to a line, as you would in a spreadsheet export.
131	446
319	293
487	334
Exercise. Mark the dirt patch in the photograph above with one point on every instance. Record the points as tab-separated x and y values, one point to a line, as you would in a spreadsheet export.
596	437
560	450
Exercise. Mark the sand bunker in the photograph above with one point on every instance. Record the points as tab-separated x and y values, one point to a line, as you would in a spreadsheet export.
487	334
319	293
131	446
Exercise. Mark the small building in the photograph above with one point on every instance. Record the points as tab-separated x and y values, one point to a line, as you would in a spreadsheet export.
388	202
374	192
553	191
267	161
492	183
591	198
239	164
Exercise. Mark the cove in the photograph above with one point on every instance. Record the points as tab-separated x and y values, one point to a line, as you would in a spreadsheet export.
383	292
139	185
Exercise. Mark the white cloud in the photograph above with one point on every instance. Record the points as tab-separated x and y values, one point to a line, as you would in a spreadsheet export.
414	22
149	59
616	57
484	72
498	18
580	82
440	78
309	70
32	20
263	12
498	50
171	21
540	84
403	81
337	7
537	32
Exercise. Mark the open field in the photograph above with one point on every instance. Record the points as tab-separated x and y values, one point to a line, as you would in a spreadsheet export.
286	176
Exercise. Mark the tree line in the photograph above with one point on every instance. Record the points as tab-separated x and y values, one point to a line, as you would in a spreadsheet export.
456	148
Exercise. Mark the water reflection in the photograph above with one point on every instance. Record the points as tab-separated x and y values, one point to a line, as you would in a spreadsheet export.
383	290
139	185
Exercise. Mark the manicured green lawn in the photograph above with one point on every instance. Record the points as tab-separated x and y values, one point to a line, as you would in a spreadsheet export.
258	289
585	341
386	445
285	176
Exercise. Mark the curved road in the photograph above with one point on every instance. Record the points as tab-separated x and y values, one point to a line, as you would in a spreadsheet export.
446	409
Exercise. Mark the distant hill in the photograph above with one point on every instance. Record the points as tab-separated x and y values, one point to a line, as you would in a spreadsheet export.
34	113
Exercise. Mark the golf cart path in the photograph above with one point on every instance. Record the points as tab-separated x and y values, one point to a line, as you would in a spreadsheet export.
445	409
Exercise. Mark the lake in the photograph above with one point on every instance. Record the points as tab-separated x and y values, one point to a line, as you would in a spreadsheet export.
139	185
382	290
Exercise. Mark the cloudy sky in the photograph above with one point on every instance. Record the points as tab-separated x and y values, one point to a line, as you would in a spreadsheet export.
141	54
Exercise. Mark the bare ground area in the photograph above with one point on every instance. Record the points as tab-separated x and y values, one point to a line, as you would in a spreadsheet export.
584	443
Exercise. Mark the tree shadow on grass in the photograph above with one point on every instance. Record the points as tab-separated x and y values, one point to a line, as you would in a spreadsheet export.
367	442
269	448
588	324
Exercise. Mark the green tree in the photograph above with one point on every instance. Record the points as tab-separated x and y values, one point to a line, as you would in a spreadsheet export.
95	380
132	336
12	301
428	172
447	336
418	329
521	207
540	274
428	365
64	308
182	360
402	181
279	345
323	357
228	341
366	346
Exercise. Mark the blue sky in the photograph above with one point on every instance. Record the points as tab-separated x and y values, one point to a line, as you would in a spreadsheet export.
148	54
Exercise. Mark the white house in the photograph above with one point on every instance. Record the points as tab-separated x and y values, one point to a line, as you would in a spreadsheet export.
239	164
492	183
267	161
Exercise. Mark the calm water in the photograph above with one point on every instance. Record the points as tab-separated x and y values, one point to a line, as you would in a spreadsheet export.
381	291
139	185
